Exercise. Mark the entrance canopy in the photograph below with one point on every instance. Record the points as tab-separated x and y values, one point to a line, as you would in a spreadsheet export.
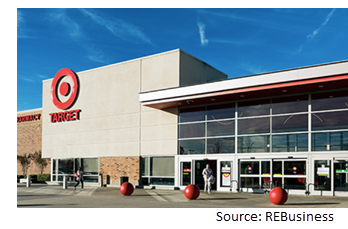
300	80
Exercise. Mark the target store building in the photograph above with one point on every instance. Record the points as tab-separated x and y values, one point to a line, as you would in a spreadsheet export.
158	120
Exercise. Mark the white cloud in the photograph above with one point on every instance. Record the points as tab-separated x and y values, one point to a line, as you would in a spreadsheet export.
201	27
21	32
252	68
73	29
316	31
119	28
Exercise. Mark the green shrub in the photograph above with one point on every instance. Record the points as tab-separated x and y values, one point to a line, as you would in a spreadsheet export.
20	177
44	177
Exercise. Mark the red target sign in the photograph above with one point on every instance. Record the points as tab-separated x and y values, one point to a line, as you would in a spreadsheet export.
64	88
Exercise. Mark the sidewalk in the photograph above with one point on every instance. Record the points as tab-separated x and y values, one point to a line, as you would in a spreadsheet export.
41	195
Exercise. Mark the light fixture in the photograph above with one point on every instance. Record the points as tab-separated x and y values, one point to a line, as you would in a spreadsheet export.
320	86
189	101
213	100
242	96
284	90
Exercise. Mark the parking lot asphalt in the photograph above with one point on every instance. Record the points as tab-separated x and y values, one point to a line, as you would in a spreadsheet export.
54	196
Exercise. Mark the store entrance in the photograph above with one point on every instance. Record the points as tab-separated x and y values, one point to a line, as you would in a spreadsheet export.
199	166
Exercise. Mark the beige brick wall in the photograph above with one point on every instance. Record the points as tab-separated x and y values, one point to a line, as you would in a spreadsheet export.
115	167
29	139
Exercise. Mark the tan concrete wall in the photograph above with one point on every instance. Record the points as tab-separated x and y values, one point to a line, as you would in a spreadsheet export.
160	71
195	71
159	131
112	121
109	117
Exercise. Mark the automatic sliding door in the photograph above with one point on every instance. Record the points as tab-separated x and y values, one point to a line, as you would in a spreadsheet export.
289	174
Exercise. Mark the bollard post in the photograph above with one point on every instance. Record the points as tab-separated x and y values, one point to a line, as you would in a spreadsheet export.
101	180
28	181
65	186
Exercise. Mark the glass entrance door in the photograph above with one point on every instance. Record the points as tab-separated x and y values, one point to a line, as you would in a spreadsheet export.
331	176
322	176
289	173
264	174
255	174
341	175
186	174
199	166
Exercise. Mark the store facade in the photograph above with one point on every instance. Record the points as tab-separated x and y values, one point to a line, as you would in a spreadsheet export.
158	120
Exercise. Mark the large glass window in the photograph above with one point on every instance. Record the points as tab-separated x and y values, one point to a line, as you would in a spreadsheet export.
253	144
330	120
290	123
253	126
66	166
221	128
90	166
331	141
195	146
192	130
223	111
293	104
290	143
192	114
161	170
69	166
330	101
220	145
211	129
254	108
162	166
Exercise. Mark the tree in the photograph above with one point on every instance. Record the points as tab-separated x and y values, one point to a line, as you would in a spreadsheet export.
25	161
41	163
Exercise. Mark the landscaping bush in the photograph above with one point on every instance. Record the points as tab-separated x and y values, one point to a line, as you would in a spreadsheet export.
19	177
44	177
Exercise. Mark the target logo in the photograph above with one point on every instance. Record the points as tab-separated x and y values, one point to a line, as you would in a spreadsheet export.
64	89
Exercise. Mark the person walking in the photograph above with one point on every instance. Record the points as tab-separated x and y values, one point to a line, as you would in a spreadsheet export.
79	178
207	173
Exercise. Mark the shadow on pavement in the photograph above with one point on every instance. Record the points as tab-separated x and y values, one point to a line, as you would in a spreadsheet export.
223	198
311	203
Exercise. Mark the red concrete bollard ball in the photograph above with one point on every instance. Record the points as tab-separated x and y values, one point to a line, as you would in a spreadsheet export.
126	189
191	192
278	196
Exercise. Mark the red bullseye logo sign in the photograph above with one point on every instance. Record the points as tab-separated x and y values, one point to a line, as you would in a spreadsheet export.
64	94
64	88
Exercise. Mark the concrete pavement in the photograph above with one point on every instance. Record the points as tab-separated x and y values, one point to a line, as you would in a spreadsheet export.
49	196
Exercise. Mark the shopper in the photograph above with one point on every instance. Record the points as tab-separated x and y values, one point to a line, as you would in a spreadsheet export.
79	178
207	173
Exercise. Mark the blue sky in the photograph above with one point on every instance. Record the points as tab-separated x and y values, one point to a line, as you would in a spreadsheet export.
238	42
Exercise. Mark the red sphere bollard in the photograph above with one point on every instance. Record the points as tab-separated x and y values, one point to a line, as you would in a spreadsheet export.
126	189
191	192
278	196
